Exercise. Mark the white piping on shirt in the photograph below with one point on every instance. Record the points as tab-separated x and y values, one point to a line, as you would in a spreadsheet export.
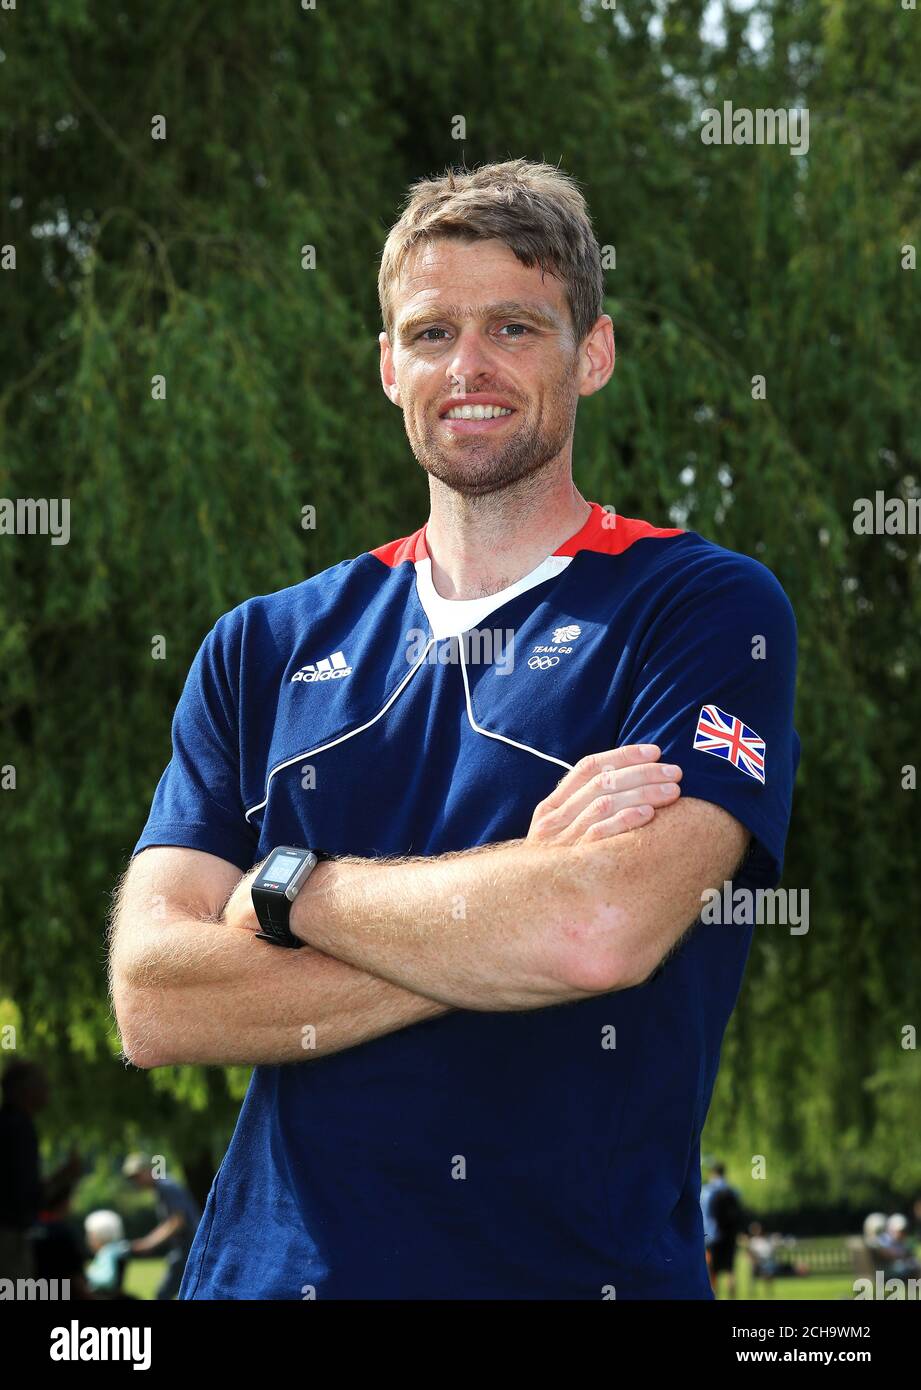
487	733
342	737
477	728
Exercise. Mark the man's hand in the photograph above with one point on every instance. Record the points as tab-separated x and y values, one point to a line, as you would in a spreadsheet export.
147	1245
238	909
605	794
189	988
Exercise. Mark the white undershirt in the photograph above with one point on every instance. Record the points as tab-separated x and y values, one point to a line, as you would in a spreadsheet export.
451	616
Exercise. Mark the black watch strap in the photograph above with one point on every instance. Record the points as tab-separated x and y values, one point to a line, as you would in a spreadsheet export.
275	928
274	913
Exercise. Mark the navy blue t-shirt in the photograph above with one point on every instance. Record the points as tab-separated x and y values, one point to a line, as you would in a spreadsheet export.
343	713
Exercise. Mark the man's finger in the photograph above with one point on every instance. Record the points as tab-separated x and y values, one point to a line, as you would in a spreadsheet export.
631	818
630	785
595	763
611	804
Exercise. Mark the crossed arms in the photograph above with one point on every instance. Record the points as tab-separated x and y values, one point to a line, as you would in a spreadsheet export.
603	888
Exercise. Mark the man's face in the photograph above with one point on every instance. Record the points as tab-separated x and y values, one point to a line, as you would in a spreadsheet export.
474	327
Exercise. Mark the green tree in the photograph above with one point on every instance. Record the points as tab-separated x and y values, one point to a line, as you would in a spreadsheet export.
180	263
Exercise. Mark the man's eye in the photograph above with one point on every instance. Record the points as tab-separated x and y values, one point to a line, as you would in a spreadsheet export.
521	329
424	335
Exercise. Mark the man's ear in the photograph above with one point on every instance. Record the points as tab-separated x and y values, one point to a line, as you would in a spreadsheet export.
388	377
597	356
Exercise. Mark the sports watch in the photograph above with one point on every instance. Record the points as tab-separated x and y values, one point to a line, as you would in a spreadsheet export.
276	886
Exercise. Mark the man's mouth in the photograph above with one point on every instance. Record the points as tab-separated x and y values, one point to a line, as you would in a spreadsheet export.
466	416
477	412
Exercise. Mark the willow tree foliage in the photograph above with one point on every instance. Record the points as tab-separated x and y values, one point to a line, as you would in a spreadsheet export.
197	195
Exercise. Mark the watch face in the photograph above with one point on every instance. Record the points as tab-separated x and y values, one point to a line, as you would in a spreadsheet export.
281	868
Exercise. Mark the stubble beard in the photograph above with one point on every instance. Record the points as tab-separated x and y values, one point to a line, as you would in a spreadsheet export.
477	467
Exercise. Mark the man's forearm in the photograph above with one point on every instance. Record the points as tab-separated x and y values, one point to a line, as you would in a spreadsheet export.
523	926
209	993
145	1245
481	929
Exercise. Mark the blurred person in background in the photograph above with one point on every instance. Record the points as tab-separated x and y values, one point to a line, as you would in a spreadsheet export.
57	1248
874	1228
762	1251
893	1242
915	1226
178	1216
105	1237
23	1191
721	1208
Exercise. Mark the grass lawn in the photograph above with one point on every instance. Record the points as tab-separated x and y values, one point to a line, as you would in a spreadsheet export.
142	1277
810	1286
818	1287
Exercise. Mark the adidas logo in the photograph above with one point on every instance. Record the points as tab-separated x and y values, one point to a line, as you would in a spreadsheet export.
331	668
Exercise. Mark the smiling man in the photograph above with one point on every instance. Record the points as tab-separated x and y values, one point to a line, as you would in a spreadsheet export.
483	1070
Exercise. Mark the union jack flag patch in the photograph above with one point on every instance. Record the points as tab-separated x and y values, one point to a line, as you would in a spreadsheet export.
727	737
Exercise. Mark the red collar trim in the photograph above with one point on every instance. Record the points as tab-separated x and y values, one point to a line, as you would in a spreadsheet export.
605	532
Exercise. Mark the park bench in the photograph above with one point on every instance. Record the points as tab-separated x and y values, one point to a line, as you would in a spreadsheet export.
862	1263
819	1257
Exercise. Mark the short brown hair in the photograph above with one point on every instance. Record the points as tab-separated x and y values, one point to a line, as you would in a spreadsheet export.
537	211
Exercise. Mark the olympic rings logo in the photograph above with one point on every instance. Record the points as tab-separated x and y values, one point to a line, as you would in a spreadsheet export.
543	663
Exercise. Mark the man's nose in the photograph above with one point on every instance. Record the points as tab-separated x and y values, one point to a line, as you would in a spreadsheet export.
470	360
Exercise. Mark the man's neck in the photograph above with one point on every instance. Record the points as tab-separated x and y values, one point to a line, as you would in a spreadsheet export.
481	545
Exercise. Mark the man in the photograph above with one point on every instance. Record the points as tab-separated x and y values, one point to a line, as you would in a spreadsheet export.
915	1226
893	1243
722	1217
177	1221
58	1249
486	1074
23	1190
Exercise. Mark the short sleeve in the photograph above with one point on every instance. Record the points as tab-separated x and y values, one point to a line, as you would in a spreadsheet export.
714	688
198	803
